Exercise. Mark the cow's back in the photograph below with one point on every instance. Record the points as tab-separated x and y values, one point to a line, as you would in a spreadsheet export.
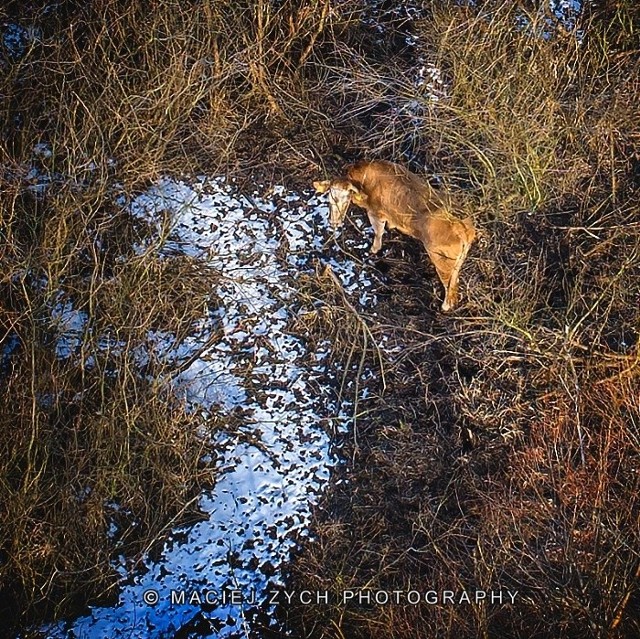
396	194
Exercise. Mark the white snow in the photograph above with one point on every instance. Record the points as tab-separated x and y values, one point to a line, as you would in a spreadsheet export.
273	470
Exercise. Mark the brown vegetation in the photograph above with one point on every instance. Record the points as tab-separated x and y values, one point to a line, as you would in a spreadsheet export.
103	99
500	448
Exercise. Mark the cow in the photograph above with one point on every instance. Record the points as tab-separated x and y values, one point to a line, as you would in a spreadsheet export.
396	198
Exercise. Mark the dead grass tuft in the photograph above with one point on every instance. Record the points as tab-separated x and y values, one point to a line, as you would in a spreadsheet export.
503	453
496	449
103	99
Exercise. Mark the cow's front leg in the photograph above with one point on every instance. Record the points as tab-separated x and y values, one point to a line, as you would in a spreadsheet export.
378	227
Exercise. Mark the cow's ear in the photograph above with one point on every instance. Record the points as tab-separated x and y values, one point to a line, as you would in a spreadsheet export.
322	186
357	196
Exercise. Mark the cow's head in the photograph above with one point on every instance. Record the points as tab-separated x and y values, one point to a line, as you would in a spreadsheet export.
341	193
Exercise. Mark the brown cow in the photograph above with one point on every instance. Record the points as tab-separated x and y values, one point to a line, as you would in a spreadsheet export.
393	196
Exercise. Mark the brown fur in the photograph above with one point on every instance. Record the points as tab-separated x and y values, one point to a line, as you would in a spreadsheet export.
394	197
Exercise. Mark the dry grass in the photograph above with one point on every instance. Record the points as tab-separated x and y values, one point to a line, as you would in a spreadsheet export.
109	96
500	449
503	451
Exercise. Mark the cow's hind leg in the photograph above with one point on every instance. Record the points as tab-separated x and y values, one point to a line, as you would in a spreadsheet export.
455	274
445	267
448	260
466	233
